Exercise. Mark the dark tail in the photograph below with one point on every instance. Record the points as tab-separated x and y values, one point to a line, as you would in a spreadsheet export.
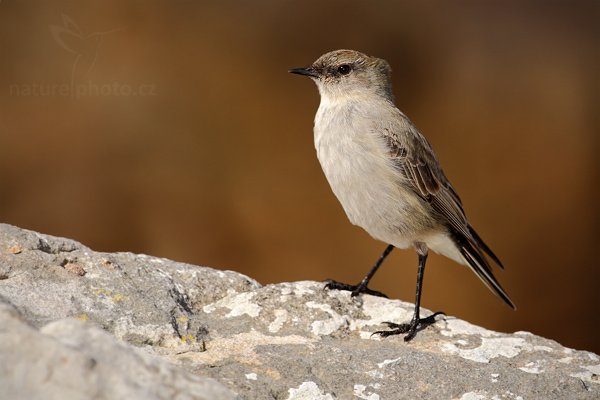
472	250
481	243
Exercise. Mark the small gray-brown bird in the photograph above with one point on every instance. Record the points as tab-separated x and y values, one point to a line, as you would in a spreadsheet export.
386	175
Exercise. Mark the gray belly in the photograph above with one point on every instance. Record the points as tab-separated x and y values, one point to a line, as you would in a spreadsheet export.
371	190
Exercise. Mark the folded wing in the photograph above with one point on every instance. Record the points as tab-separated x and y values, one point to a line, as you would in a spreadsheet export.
413	156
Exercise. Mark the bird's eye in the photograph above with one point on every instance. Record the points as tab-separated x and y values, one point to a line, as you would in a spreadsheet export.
344	69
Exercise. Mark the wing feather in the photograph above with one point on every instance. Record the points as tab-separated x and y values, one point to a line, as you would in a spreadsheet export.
414	157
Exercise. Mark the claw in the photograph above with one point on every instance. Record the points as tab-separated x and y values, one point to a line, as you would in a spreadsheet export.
355	289
393	325
410	329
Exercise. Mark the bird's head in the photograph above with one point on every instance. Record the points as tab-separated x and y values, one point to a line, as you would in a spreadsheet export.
349	73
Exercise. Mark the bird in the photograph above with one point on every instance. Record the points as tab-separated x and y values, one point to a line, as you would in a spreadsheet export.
387	177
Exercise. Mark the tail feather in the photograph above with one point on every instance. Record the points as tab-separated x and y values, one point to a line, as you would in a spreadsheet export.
471	250
485	247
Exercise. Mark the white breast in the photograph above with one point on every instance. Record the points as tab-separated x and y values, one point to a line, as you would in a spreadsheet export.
362	176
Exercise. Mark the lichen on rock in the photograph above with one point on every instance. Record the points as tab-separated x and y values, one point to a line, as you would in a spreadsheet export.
159	329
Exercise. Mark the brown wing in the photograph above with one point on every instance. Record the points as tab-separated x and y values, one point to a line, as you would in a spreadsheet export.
414	157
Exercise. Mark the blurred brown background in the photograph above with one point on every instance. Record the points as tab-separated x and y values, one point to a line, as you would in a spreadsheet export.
172	128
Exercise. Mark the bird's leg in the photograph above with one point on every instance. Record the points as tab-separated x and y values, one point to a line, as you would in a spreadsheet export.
417	323
362	286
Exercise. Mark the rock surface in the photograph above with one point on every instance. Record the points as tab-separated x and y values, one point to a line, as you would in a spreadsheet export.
77	324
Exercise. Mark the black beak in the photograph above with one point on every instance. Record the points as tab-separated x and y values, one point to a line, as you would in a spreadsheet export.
308	71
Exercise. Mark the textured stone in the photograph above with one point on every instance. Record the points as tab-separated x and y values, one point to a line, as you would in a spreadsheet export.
71	359
154	328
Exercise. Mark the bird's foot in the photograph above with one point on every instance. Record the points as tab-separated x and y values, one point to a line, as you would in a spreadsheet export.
411	328
355	289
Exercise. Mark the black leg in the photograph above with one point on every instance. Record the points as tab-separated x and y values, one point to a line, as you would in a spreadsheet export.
417	323
362	286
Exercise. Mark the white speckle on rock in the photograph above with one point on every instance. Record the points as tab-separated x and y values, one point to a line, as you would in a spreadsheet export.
523	333
456	327
238	304
304	287
511	395
379	310
323	328
323	307
251	376
368	335
590	375
532	367
283	298
386	362
153	333
308	391
490	348
566	360
240	347
472	396
281	317
375	374
359	391
328	326
495	378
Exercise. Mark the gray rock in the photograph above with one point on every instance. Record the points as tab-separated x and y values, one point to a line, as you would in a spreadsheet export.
171	329
70	359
